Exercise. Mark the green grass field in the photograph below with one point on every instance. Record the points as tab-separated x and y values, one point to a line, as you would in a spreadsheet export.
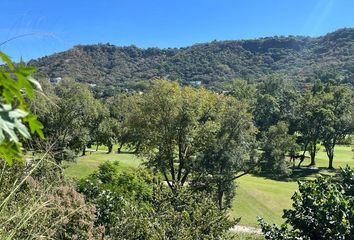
255	196
85	165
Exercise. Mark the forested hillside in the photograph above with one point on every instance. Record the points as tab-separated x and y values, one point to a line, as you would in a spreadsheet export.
214	63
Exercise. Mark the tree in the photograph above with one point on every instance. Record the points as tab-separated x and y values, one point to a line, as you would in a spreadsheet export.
121	108
106	132
228	153
97	134
340	103
277	100
196	134
138	206
276	143
313	116
174	122
70	119
267	112
243	91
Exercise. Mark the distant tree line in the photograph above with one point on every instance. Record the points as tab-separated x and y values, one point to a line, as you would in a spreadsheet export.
214	64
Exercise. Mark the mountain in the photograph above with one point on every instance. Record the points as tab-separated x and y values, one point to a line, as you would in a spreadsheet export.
211	64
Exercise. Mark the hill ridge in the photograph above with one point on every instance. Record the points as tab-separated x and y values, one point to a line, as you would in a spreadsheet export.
213	64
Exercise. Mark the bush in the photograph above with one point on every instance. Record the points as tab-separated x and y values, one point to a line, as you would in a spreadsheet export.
322	209
137	206
68	216
37	203
182	216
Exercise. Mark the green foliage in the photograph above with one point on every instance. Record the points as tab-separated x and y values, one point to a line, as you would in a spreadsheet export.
276	101
229	151
340	104
242	91
185	216
137	206
16	85
174	122
213	63
110	190
121	109
276	143
70	118
313	116
188	132
322	209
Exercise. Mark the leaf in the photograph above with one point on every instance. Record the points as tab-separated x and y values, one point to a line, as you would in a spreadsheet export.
10	151
8	127
21	128
7	60
35	125
24	83
25	70
18	113
35	83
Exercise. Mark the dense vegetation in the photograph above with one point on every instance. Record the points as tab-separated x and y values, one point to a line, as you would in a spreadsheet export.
194	143
214	63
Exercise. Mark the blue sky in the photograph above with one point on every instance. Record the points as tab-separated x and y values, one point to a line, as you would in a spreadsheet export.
59	25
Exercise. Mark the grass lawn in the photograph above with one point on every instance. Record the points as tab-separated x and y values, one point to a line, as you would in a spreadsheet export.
255	196
343	156
89	163
258	196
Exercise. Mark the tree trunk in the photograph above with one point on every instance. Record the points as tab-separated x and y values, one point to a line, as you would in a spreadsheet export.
302	158
84	151
110	147
330	161
220	197
313	155
96	147
120	148
330	152
330	155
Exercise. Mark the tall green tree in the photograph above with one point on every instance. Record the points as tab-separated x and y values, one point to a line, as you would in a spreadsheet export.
277	99
122	108
313	116
243	91
228	153
276	143
195	134
69	120
340	104
174	122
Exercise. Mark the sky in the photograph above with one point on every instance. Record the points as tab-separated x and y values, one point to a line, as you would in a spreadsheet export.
43	27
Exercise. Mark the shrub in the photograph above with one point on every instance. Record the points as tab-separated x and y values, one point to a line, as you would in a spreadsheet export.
136	206
35	202
322	209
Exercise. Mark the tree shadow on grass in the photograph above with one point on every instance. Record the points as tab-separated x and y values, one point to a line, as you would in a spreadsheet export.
296	174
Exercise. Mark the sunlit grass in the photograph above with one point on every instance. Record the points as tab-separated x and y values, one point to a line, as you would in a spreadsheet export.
257	196
86	165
